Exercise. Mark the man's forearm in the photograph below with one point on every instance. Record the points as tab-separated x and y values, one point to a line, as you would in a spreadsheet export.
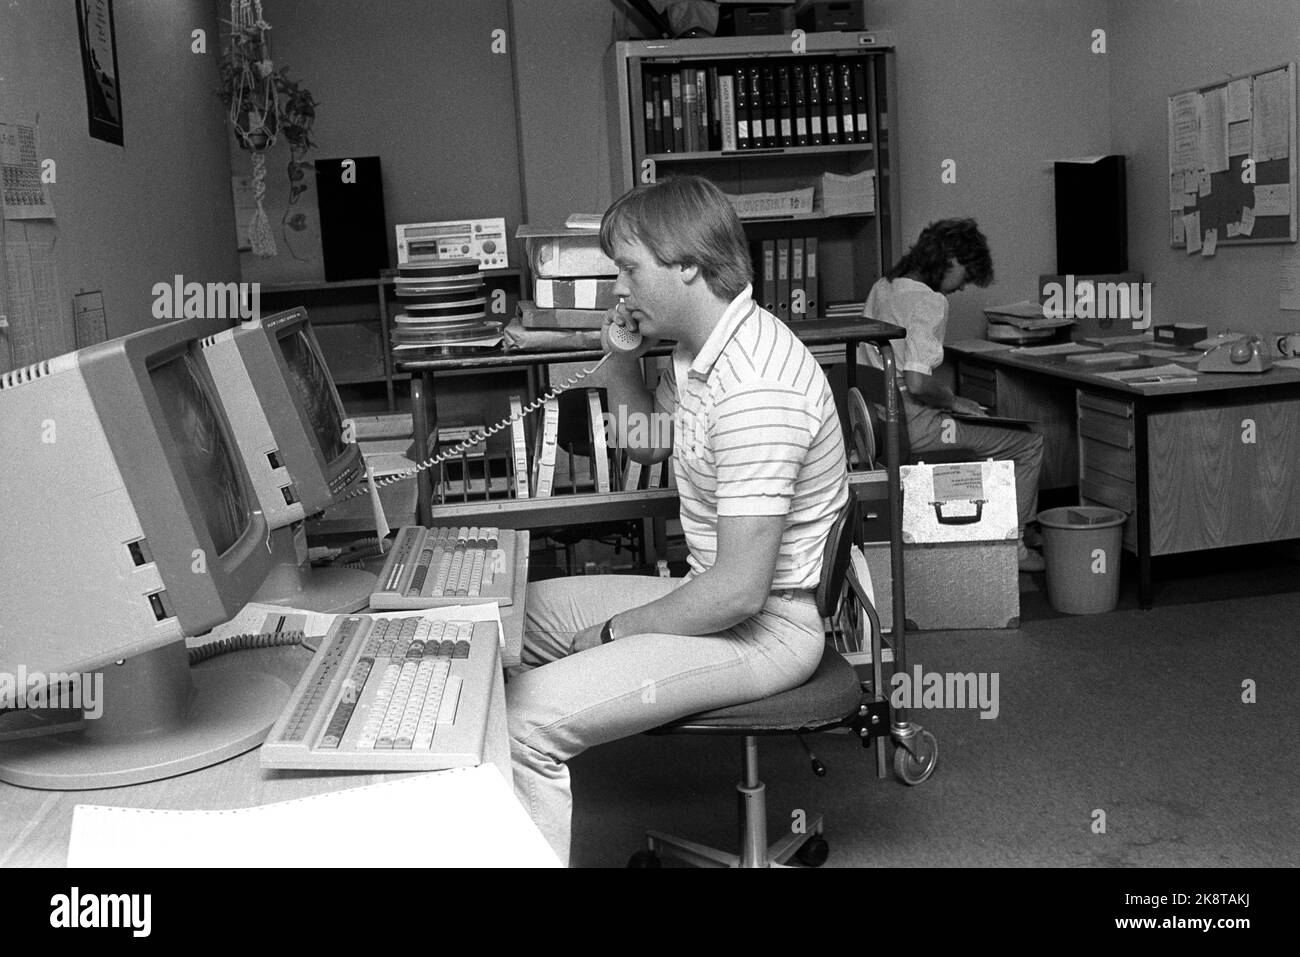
704	605
934	394
631	412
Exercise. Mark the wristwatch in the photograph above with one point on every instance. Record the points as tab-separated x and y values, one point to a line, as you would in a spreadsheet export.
607	632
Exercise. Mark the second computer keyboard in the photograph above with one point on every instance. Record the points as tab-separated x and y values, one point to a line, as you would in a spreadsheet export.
404	694
447	565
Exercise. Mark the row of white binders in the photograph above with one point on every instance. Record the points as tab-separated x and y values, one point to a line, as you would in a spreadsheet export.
580	458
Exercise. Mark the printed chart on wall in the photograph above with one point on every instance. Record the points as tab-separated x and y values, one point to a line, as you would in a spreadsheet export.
36	323
22	192
1232	162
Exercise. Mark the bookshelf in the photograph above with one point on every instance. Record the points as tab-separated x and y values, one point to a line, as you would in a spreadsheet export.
854	247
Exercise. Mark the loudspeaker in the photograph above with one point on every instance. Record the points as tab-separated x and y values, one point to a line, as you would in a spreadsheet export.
353	229
1091	217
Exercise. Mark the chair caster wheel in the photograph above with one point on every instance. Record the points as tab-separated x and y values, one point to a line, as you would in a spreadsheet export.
916	769
814	852
645	859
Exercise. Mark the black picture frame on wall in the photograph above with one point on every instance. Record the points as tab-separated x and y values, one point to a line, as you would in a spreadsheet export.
99	67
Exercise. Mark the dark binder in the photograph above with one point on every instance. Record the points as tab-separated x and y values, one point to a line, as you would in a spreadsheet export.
715	110
769	275
784	98
830	104
799	104
757	128
810	281
679	140
860	102
798	295
690	111
665	114
816	128
740	90
655	141
848	122
783	279
648	109
704	111
771	133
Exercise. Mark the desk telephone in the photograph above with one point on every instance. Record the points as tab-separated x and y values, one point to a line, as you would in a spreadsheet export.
1243	354
614	338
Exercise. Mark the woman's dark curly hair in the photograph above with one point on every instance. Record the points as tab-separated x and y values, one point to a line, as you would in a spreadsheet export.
944	240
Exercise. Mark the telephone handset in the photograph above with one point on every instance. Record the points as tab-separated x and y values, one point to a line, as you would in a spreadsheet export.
1246	354
614	338
621	338
617	337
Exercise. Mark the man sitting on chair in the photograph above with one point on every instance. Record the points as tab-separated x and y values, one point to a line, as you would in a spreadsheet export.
759	461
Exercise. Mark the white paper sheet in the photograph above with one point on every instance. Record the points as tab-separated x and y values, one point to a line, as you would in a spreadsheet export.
467	817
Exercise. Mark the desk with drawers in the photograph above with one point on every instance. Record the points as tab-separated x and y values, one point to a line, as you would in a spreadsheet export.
1196	465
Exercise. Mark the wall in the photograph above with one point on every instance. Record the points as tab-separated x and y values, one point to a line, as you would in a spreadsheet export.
128	216
1159	47
414	82
1003	87
563	116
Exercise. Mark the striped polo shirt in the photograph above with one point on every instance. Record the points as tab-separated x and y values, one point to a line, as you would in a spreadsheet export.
755	432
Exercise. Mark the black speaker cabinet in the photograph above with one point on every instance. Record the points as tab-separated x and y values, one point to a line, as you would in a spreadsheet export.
353	230
1091	217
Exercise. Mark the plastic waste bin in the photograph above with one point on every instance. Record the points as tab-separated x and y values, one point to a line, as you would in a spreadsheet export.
1082	544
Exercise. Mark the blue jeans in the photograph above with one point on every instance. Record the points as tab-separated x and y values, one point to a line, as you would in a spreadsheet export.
560	702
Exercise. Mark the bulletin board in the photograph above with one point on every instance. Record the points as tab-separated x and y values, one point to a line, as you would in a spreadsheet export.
1213	131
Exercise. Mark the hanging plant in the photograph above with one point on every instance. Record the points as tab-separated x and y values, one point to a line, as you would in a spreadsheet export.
262	104
297	114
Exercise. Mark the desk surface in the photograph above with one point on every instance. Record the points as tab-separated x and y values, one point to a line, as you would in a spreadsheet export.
35	826
1060	367
812	332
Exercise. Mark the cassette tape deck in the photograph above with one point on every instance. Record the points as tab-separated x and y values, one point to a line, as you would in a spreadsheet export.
481	239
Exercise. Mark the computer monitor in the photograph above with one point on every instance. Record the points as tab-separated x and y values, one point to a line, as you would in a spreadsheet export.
129	523
289	427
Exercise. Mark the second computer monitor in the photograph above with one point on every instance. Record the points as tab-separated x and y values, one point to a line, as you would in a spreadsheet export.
289	422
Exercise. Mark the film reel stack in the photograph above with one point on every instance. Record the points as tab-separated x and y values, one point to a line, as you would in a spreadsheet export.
444	306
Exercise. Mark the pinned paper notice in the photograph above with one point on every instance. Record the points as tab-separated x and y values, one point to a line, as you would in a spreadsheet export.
1247	221
1204	185
1192	223
1211	242
1233	229
1239	100
1180	231
1274	200
1289	295
1239	138
1176	192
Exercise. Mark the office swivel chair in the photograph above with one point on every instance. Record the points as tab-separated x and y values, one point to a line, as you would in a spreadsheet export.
832	698
871	384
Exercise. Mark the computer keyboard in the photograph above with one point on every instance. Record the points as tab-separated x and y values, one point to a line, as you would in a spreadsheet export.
380	694
447	565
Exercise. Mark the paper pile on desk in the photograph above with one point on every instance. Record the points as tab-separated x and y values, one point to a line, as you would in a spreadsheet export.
467	817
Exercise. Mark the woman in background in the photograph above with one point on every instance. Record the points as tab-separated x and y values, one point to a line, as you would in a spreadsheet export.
947	256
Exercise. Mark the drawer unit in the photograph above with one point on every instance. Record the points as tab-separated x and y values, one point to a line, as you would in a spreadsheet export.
1105	420
978	383
1107	460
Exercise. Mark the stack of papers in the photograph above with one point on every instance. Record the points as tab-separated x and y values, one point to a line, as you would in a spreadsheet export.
584	221
468	817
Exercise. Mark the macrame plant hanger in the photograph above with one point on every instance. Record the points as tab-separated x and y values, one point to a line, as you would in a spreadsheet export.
254	110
